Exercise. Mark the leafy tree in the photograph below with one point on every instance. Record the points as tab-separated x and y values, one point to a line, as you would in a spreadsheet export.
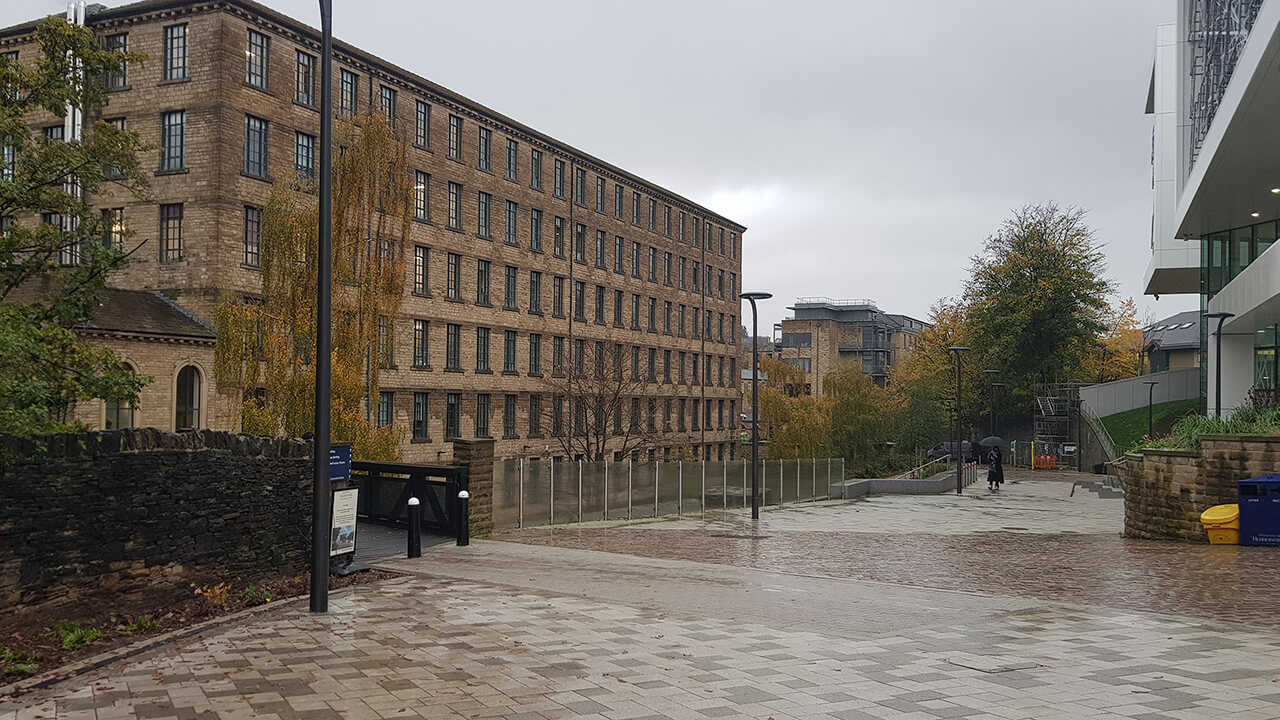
798	424
607	409
1120	353
53	261
266	344
863	416
924	381
1037	299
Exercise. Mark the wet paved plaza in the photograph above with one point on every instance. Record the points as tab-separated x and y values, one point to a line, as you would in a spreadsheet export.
896	608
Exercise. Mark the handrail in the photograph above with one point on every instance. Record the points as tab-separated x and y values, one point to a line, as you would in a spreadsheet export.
917	473
1095	424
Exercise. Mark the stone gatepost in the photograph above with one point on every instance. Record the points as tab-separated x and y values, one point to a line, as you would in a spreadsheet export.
477	456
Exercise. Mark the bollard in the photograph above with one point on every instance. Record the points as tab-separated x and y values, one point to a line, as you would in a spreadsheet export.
415	528
464	518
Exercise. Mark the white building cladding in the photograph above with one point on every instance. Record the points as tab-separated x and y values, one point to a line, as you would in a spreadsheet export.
1215	98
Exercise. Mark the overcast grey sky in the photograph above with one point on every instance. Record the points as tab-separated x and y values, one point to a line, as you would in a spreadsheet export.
869	147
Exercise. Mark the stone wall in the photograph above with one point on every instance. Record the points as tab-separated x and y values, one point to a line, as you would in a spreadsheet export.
133	511
1166	490
477	457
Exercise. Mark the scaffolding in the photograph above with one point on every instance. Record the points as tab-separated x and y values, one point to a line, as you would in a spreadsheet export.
1216	34
1057	424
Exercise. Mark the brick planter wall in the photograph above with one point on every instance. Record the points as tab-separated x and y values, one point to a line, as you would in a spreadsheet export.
144	510
1166	490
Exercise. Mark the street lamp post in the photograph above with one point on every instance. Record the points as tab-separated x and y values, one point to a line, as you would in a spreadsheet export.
959	446
991	377
321	499
1217	361
1151	389
752	297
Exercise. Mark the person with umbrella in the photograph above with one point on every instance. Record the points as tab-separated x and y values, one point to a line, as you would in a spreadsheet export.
995	468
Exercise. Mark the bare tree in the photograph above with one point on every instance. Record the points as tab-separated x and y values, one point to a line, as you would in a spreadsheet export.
603	401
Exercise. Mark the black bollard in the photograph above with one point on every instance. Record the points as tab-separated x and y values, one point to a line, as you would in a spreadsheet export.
415	528
464	517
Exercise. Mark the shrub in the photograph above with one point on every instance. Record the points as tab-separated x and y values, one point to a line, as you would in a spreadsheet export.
215	595
145	623
1246	420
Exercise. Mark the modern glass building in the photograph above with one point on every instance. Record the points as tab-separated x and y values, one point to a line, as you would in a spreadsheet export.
1214	97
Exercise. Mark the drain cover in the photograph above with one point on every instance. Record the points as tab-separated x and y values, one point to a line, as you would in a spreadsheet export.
991	663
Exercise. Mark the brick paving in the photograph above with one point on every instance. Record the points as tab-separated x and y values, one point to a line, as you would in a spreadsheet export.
539	632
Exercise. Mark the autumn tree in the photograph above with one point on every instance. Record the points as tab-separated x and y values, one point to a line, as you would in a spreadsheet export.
924	382
267	343
53	257
1036	298
797	423
1119	353
605	403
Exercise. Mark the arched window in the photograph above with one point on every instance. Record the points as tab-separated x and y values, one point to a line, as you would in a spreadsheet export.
121	414
187	407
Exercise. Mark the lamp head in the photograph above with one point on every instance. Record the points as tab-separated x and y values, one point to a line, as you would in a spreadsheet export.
1219	315
957	349
756	295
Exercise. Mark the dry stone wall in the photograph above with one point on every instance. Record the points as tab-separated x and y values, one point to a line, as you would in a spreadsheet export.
1166	490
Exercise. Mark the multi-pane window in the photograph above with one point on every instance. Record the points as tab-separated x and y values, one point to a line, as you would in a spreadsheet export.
304	155
653	264
509	289
557	180
513	160
666	220
482	282
557	247
697	275
653	315
253	236
600	194
635	208
513	210
53	133
601	239
681	273
653	365
720	283
175	52
482	214
579	243
257	60
482	161
386	404
535	230
119	79
535	292
482	350
680	415
535	416
453	275
619	254
455	138
452	415
171	233
421	336
421	193
600	304
683	217
509	417
455	209
422	125
173	140
579	357
666	317
653	215
388	97
635	259
420	416
557	415
9	157
306	80
557	356
617	201
666	268
113	228
680	326
452	341
255	146
580	186
580	301
695	232
557	297
635	312
535	169
535	354
348	92
733	246
617	308
386	342
509	351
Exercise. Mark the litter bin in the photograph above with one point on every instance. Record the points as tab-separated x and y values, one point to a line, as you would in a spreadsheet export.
1222	522
1259	510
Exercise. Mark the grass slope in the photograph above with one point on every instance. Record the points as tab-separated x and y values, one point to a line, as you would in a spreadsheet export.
1129	427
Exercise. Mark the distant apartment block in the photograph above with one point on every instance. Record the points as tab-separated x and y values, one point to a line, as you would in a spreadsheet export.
824	334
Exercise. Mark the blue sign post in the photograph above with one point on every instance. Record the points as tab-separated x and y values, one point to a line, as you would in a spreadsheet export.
340	462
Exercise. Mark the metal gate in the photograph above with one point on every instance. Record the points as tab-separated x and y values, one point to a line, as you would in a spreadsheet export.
385	489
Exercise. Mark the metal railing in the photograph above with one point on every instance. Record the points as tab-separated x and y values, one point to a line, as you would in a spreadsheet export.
540	493
1099	430
929	469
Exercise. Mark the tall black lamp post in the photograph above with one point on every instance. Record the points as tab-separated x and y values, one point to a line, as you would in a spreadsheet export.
752	297
1151	391
959	446
991	377
321	499
1217	361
